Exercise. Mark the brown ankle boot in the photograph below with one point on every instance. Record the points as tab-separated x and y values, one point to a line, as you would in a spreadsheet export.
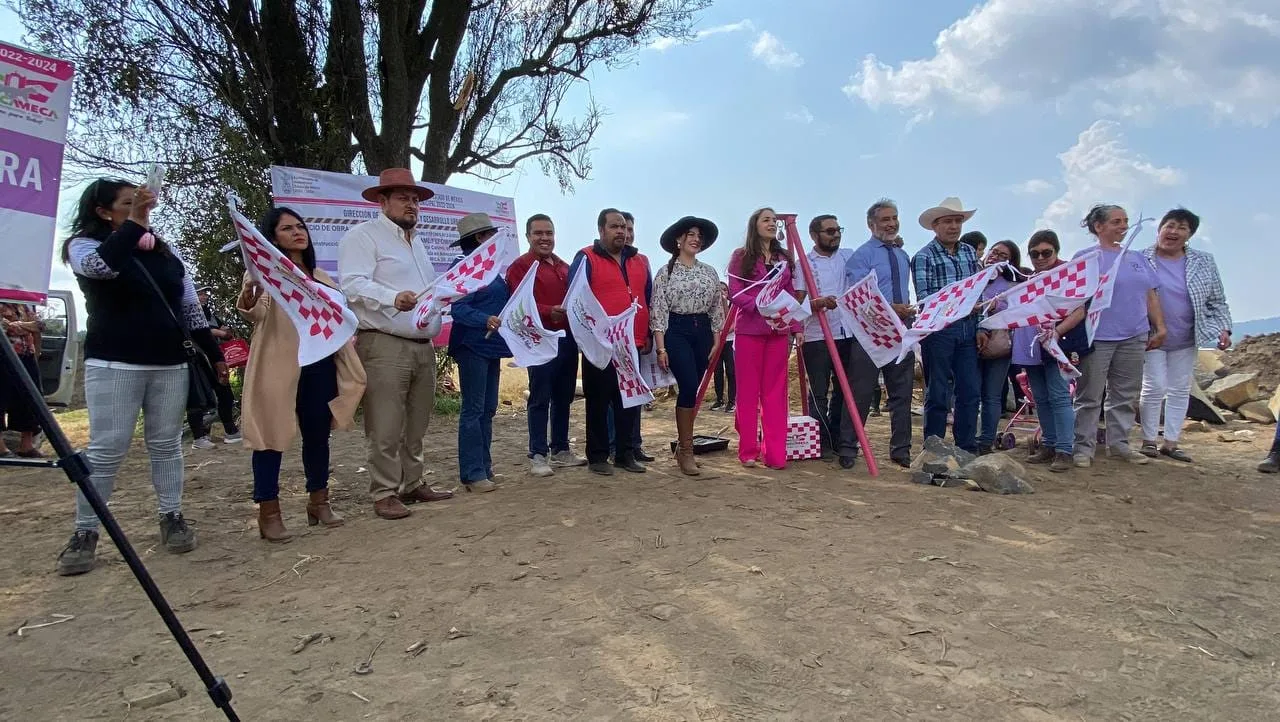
319	511
684	445
270	525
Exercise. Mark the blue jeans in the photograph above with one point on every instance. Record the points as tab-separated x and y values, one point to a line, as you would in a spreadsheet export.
689	343
994	373
951	357
317	386
478	377
551	389
1052	394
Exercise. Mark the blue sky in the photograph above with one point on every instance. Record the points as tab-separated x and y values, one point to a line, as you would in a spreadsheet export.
1028	111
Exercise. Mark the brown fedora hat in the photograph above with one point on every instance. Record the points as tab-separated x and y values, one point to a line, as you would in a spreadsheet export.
393	178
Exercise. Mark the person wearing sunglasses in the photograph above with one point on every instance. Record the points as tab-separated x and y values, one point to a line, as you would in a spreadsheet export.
994	346
1049	388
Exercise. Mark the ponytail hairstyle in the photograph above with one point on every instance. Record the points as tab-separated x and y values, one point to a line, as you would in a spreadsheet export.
1097	216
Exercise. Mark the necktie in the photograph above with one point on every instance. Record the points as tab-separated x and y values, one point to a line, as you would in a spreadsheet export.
898	294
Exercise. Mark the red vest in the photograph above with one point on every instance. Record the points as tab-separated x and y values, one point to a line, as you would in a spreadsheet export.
616	291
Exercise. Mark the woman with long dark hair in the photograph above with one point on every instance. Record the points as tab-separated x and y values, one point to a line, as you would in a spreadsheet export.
995	347
135	357
281	399
685	315
761	350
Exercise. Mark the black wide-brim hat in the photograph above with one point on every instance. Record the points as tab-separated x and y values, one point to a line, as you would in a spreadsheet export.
675	231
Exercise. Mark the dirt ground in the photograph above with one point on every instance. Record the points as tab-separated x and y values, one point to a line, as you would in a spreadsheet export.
811	594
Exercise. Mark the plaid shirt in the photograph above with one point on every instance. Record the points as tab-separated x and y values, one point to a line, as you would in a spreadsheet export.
933	269
1208	297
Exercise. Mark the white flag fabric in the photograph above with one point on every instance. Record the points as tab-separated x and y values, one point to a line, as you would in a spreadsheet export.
874	322
530	342
1048	297
951	304
652	373
621	337
1107	281
1048	340
318	312
480	268
587	321
778	305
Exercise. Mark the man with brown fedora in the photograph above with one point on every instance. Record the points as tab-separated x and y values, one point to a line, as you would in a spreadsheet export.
383	272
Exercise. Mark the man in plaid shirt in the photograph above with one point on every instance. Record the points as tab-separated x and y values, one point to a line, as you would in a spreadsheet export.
949	356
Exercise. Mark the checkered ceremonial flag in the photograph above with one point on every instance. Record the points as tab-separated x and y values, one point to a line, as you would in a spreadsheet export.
474	272
777	305
318	312
945	307
1050	296
874	322
621	336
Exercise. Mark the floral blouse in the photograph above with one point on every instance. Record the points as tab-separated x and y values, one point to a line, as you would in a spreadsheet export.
686	291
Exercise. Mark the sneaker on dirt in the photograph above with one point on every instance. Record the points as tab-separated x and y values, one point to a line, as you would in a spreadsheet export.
539	467
202	444
177	537
567	458
77	557
234	438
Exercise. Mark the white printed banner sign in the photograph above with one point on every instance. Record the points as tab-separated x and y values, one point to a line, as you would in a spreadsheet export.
319	313
874	322
530	342
331	204
35	102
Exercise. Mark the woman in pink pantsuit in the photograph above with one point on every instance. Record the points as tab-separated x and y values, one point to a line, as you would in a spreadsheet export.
760	350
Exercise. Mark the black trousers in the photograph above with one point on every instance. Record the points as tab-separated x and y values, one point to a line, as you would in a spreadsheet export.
724	370
226	413
826	400
600	387
899	378
16	411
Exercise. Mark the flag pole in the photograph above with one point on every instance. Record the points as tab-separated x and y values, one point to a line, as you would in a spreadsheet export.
729	322
797	249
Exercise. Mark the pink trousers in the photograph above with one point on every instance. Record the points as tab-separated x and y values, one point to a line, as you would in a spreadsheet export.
761	366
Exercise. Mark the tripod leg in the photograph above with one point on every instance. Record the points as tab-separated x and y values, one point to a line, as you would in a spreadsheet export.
77	471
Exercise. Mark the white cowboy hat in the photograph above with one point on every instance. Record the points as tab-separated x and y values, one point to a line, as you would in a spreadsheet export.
948	207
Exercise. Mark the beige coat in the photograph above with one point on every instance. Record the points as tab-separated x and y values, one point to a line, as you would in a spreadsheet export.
267	407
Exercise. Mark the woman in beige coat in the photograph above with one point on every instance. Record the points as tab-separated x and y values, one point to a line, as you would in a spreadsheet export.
280	398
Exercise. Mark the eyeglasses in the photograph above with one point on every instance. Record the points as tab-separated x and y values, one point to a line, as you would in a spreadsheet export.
1041	254
833	231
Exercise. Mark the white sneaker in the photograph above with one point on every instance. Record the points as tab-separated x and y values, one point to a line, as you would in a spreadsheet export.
1126	453
567	458
232	438
1082	462
539	467
202	443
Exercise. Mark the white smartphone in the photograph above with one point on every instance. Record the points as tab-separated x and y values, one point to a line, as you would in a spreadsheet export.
155	178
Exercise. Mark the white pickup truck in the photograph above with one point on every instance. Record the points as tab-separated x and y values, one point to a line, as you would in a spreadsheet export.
59	348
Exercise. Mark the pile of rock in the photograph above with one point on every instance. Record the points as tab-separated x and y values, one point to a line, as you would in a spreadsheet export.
943	464
1218	396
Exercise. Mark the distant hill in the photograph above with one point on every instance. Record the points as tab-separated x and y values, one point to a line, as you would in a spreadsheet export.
1256	327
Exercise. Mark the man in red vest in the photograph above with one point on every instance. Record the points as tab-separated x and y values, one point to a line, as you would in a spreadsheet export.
618	277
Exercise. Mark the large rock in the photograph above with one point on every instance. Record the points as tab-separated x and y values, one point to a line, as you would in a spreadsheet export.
941	458
1234	391
1257	412
1274	403
1208	361
998	474
1201	408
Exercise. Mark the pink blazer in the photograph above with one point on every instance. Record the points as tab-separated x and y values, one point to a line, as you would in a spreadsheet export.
750	322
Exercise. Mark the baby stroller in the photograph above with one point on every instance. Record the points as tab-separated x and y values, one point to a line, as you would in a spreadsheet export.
1023	422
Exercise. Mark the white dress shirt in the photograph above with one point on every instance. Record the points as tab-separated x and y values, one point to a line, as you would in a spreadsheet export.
375	262
828	273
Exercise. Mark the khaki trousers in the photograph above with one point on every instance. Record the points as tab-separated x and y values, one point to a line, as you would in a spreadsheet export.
398	401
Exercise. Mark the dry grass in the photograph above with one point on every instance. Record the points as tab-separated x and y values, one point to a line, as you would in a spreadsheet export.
513	384
75	424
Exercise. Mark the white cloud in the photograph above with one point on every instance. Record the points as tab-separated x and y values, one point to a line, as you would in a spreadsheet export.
1032	187
1128	58
662	44
770	50
802	116
1262	218
1100	168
